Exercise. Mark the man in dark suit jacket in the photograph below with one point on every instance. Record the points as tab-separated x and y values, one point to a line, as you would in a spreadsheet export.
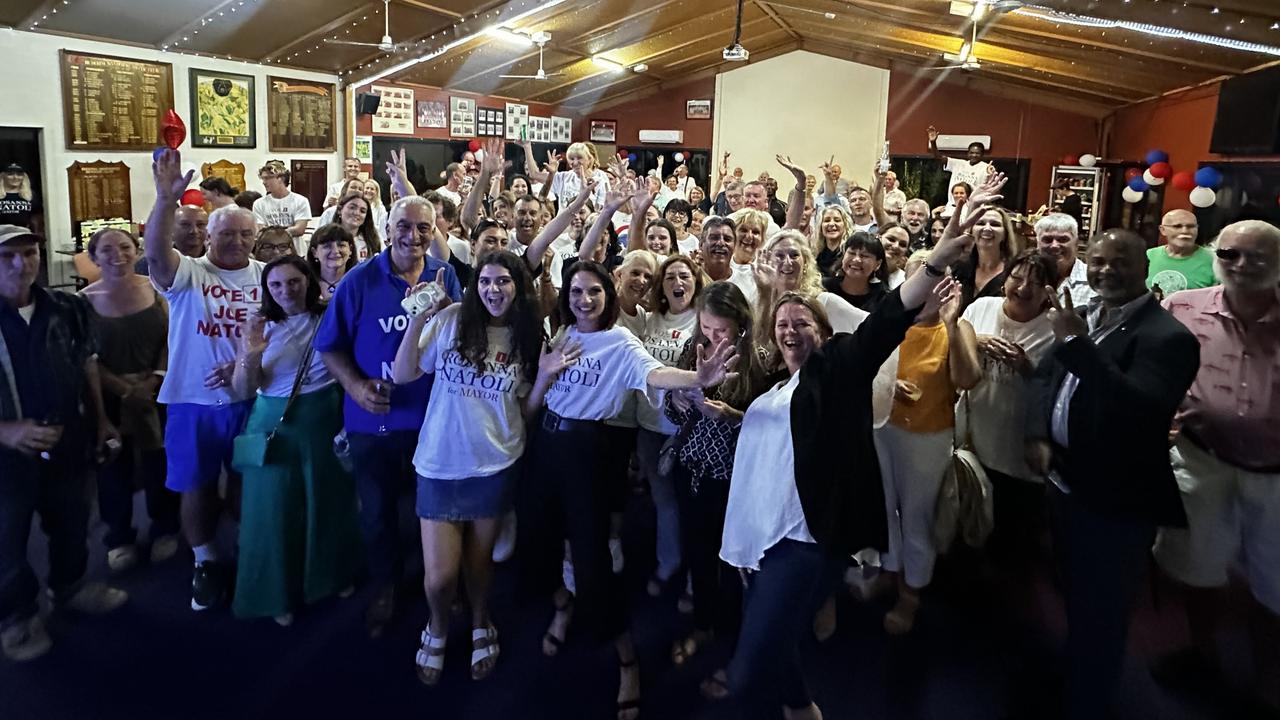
1098	427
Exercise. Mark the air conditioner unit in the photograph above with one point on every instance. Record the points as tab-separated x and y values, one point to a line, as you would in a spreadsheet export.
962	142
664	137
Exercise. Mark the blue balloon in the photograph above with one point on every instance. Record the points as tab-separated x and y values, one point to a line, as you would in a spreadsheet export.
1208	177
155	154
632	157
1138	184
1157	156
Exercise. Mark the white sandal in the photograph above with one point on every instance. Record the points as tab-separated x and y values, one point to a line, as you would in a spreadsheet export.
430	657
490	649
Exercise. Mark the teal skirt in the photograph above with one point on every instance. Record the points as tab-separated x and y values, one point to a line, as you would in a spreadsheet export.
299	528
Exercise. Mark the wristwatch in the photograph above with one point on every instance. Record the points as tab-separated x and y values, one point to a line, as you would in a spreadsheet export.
932	270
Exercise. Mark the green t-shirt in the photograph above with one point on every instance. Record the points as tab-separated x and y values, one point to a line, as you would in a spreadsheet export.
1173	274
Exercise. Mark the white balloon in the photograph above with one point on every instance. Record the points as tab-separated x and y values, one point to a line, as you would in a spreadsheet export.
1152	180
479	155
679	157
1203	197
1130	195
1087	160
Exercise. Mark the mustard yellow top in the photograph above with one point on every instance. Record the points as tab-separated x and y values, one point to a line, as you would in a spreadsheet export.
922	360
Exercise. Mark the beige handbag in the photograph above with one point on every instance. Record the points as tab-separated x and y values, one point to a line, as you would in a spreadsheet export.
964	503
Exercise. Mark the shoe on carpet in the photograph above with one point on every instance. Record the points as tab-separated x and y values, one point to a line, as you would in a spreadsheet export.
379	613
25	640
122	558
95	598
208	586
163	548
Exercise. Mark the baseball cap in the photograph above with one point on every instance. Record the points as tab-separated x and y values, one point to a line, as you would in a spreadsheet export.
10	233
13	167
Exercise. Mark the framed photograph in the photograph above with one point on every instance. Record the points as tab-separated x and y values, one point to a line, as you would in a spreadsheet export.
697	109
561	129
604	131
491	122
222	109
463	111
395	111
432	114
363	149
302	115
517	121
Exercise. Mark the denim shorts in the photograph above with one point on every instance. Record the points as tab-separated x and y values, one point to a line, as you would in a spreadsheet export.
473	498
198	441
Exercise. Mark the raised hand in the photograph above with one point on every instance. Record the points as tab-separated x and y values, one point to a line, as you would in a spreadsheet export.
170	180
933	134
796	171
956	237
1063	316
724	165
764	271
641	196
253	333
830	170
716	365
989	191
553	161
554	359
396	165
619	193
618	166
495	160
948	294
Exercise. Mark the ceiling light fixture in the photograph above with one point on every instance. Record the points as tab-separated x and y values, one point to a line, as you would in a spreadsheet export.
510	36
639	67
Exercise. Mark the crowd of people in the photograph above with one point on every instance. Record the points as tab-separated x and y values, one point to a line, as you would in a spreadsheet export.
788	379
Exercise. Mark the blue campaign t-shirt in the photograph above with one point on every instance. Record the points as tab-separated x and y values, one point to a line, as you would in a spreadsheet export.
365	320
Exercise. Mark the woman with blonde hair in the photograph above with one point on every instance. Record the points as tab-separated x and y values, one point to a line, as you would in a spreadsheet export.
18	205
828	236
567	184
751	226
786	265
373	193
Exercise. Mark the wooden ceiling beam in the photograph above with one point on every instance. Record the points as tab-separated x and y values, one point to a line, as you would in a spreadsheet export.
188	28
443	29
773	15
1195	16
338	22
431	8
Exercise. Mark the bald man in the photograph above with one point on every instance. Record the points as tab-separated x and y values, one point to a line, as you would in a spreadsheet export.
190	235
1180	263
1100	407
1227	459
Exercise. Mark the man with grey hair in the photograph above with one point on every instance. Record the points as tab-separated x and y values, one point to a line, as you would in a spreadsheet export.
358	339
1180	263
915	218
1057	238
1227	456
210	297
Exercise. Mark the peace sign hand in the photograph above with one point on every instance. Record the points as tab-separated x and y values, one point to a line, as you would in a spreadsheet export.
1063	316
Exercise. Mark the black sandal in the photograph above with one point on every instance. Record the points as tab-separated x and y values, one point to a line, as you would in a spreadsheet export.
547	638
626	706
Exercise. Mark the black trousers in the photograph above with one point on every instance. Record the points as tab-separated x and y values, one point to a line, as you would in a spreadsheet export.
116	483
565	495
717	587
1103	560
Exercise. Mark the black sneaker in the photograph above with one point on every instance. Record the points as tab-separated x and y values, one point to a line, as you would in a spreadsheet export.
208	588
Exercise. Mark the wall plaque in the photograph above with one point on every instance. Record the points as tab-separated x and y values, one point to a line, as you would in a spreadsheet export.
99	190
233	173
302	115
222	107
112	103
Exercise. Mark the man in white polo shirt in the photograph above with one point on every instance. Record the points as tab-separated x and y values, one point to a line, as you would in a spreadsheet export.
210	297
281	207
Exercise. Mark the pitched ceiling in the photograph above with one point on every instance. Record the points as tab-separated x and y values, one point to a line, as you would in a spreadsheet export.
1035	49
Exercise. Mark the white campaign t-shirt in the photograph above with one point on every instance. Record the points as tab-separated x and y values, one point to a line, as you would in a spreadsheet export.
473	425
207	308
962	172
999	401
764	503
664	336
335	190
745	279
596	386
444	191
566	186
286	344
281	212
687	244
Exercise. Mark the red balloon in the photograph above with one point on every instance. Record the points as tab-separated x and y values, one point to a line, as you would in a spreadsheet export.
1070	159
474	145
173	129
1161	170
1185	180
193	197
1132	173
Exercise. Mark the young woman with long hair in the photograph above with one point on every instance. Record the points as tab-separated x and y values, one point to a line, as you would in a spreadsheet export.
828	237
983	271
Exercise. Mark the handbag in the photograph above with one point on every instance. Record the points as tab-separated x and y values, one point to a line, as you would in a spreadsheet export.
254	449
670	452
964	504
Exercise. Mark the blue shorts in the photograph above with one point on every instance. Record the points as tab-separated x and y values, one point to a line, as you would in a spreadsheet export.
198	441
473	498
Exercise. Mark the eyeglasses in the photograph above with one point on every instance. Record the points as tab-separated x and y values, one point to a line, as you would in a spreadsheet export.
1192	226
1230	255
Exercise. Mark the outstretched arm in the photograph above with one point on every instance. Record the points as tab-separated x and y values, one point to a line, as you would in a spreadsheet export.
400	185
492	165
641	199
795	201
162	259
616	198
552	230
877	198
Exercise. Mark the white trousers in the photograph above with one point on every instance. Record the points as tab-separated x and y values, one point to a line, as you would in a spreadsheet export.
911	465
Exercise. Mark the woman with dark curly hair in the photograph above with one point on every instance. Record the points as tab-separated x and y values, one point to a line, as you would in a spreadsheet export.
331	254
483	353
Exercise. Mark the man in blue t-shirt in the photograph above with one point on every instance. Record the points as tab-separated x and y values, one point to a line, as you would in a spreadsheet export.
358	339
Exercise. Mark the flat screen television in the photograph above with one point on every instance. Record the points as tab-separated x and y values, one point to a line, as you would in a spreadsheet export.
1248	120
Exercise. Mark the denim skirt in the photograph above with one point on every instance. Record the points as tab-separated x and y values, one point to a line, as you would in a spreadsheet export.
474	498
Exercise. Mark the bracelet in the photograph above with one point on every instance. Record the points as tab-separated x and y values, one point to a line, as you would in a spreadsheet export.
932	270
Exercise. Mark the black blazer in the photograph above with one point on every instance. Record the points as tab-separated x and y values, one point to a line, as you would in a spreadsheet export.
837	474
1131	384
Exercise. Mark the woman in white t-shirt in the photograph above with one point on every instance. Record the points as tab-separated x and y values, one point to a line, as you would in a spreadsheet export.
1013	335
667	327
299	529
355	214
584	381
351	187
482	352
567	184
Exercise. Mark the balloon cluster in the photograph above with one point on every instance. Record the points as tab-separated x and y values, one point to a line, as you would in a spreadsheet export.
1200	185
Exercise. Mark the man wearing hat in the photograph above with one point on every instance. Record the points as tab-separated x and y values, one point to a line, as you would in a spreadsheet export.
52	423
18	204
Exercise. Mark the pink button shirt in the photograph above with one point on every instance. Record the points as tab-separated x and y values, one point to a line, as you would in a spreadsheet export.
1233	407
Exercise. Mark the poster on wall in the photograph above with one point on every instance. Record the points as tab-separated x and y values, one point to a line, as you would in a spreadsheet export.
517	121
539	129
462	117
491	122
604	131
432	114
395	110
113	103
362	149
561	129
301	115
221	109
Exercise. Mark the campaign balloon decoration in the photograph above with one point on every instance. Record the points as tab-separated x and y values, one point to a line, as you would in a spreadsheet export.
474	145
1203	197
1151	179
173	129
1070	160
679	157
1157	156
1130	195
1161	170
1139	185
1208	177
1132	173
1184	181
193	197
1088	160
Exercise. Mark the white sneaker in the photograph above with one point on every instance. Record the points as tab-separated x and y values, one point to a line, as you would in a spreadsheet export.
505	545
25	640
122	558
615	554
163	548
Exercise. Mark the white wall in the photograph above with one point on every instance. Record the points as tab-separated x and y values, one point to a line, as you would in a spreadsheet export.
804	105
32	92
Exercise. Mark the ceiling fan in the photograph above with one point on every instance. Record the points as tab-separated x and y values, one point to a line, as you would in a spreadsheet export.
963	60
386	45
540	39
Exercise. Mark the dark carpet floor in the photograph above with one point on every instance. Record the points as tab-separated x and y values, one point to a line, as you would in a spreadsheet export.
969	657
